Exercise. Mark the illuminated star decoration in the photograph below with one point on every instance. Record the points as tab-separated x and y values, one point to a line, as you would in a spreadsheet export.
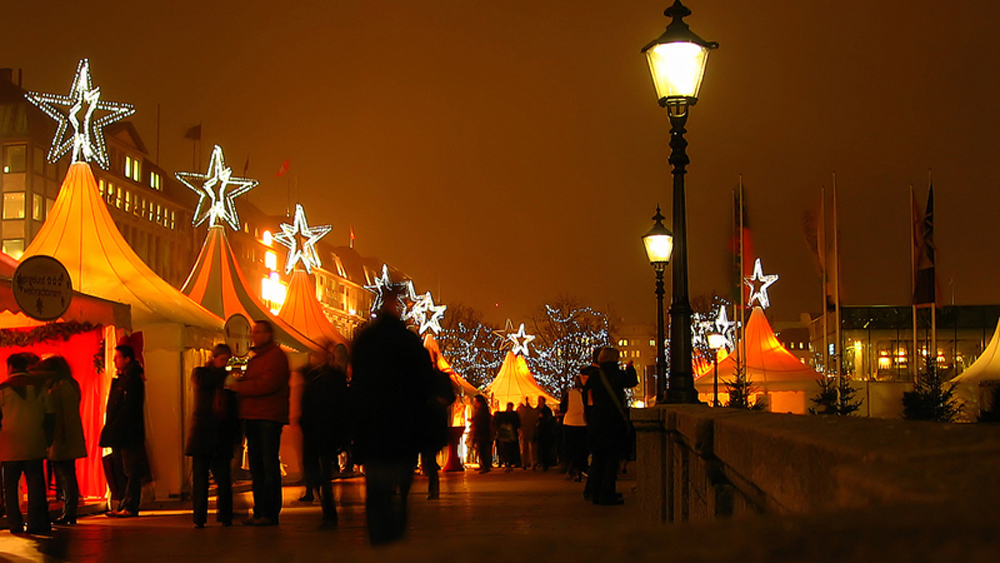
87	138
383	285
758	284
425	313
520	340
219	188
301	241
503	333
725	327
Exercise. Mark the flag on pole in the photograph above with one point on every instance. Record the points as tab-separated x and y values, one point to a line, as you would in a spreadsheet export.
194	133
352	236
283	169
740	268
925	288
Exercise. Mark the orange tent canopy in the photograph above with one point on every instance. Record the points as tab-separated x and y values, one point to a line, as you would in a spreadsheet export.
514	383
303	311
769	365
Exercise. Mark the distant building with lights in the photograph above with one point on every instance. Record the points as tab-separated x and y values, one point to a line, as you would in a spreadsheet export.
637	344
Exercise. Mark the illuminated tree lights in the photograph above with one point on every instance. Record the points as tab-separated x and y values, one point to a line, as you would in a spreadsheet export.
301	239
87	139
219	188
758	284
567	335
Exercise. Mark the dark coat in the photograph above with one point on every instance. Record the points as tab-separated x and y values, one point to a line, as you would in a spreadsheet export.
125	425
390	389
437	416
607	424
481	427
215	427
324	419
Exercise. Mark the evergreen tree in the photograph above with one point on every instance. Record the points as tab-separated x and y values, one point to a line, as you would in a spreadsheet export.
932	398
740	389
834	399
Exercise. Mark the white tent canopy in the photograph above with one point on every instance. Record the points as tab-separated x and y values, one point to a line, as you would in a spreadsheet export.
978	379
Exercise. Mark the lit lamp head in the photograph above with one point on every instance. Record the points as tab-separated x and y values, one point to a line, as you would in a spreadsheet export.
716	340
659	243
677	60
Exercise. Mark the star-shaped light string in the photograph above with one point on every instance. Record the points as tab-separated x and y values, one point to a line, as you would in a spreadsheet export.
383	285
87	138
503	333
425	313
725	327
520	340
758	284
219	188
301	241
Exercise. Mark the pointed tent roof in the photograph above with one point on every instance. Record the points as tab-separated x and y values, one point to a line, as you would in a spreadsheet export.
768	362
217	282
514	382
986	367
461	386
80	233
303	311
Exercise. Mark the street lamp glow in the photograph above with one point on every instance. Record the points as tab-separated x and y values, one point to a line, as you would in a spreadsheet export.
716	340
677	60
659	243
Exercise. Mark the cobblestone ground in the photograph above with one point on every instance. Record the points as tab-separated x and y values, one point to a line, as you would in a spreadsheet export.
477	515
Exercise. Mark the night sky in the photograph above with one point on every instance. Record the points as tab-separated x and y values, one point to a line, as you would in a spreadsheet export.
510	152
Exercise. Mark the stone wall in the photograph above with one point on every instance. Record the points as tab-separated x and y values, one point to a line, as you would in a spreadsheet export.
697	463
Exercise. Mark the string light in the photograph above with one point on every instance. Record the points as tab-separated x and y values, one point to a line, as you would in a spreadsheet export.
758	284
502	335
87	139
384	284
301	250
725	327
566	340
521	341
424	313
219	188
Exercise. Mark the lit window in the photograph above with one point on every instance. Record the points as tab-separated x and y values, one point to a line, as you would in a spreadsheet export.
128	166
37	207
159	212
118	198
128	201
267	239
13	205
14	157
100	186
270	260
14	248
136	171
652	342
154	180
173	217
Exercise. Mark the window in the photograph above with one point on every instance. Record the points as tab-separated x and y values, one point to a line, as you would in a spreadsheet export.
118	197
128	201
154	181
270	260
13	205
137	171
159	213
652	342
128	166
37	207
14	158
38	161
14	248
100	186
173	217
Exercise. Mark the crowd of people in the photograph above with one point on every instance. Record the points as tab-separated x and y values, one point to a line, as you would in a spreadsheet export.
393	408
590	434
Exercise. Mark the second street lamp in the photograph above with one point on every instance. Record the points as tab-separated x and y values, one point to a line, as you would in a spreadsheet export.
659	244
715	342
677	62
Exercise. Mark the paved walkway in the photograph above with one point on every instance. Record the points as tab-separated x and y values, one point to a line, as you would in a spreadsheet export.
478	517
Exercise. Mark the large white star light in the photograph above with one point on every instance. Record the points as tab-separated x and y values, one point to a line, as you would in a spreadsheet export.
217	190
758	284
384	284
725	327
425	313
520	340
86	112
301	241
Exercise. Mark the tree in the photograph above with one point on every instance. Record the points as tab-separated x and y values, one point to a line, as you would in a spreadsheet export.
833	400
566	334
470	345
740	389
931	398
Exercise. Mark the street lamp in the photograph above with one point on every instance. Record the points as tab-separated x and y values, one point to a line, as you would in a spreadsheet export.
659	243
677	64
715	342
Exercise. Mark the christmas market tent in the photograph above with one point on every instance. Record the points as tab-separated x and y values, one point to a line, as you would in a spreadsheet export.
80	233
974	386
217	282
514	383
302	310
772	370
7	265
464	391
78	336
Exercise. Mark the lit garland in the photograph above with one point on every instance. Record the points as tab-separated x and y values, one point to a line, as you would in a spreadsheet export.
22	338
292	237
566	340
219	188
424	312
758	284
87	138
470	350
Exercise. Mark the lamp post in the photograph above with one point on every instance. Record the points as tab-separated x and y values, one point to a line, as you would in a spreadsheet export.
677	64
715	341
659	244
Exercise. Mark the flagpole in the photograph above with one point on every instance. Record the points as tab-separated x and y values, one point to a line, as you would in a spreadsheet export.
913	279
836	285
934	288
824	283
743	306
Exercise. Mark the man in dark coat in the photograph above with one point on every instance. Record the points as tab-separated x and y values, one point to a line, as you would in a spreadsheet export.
390	389
324	424
607	423
214	431
507	424
125	428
